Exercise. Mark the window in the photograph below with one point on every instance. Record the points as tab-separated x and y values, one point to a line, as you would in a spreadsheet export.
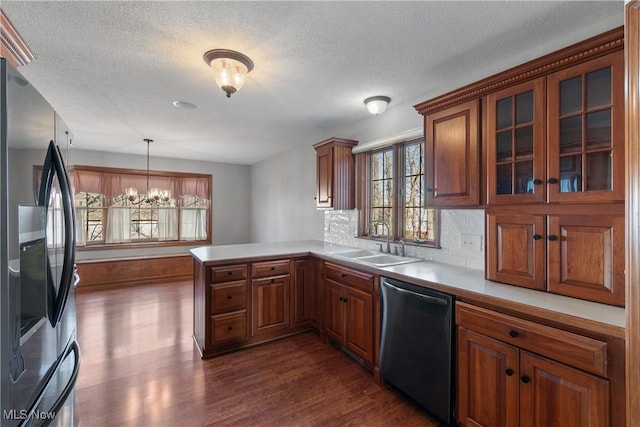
391	195
109	214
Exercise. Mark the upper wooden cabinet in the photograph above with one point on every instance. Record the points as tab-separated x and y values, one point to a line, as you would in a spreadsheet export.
586	131
582	139
335	174
516	144
452	161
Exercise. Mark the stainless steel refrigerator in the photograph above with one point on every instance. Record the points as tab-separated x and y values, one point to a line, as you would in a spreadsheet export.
40	357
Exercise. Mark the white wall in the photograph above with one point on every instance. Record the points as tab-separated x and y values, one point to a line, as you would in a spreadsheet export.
282	198
231	203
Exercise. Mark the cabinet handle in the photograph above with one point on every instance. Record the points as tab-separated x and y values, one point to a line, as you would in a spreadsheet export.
273	268
537	181
229	297
509	372
229	273
553	238
273	280
553	181
525	379
537	237
429	190
343	275
229	328
513	334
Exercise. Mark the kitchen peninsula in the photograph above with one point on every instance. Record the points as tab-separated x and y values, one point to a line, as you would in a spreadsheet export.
252	293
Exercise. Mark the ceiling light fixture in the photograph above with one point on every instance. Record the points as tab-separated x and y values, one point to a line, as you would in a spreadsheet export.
377	104
230	68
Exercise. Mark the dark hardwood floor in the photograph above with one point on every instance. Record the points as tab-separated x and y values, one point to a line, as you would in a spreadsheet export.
139	367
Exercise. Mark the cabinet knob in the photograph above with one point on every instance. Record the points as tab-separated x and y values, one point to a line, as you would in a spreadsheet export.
343	275
229	328
429	190
513	334
553	181
273	280
229	297
229	273
537	237
553	238
537	181
525	379
509	372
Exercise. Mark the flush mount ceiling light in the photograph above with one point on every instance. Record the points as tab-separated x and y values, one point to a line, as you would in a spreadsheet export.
230	68
377	104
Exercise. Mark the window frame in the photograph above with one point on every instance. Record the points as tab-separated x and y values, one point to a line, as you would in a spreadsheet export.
364	181
137	243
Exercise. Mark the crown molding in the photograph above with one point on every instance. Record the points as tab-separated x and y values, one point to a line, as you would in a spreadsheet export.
12	46
608	42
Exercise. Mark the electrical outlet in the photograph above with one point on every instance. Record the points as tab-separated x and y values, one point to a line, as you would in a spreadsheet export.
471	242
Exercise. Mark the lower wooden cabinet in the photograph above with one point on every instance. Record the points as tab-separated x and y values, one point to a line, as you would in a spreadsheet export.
502	383
349	310
270	308
304	291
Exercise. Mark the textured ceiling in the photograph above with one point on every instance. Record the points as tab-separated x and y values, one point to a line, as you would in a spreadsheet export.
113	69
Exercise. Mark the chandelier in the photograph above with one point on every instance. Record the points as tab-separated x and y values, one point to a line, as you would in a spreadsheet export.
153	196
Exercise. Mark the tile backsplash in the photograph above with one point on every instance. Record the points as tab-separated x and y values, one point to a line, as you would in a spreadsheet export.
457	227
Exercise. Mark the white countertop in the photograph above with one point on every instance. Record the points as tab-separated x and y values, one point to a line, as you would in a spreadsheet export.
462	282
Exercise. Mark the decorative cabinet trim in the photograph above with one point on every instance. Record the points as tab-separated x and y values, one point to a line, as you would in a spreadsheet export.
594	47
12	47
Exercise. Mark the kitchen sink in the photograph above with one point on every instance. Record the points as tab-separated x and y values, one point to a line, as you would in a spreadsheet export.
356	253
375	258
386	260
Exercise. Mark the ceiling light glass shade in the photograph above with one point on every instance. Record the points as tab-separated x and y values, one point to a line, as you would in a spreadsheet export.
377	104
230	68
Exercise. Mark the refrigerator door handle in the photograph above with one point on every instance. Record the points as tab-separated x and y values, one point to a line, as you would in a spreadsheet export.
71	347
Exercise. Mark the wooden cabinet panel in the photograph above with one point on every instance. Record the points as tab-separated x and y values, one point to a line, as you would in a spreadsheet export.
304	291
516	144
269	268
335	174
516	250
452	160
228	296
334	322
556	395
228	327
359	329
488	373
227	273
585	257
270	300
585	132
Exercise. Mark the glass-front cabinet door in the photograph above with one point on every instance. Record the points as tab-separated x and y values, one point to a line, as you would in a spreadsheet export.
516	144
586	131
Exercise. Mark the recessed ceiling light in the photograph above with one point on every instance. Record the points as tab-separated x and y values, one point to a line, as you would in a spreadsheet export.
183	105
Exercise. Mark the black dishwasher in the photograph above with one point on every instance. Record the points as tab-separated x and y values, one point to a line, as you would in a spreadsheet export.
416	345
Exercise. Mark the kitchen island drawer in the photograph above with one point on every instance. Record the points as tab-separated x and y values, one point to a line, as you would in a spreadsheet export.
228	296
228	327
350	277
227	273
270	268
575	350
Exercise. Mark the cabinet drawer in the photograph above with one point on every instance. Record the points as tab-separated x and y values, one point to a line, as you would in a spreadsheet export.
347	276
270	268
228	327
228	296
227	273
575	350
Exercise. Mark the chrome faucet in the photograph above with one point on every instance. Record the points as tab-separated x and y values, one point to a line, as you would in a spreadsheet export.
384	224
